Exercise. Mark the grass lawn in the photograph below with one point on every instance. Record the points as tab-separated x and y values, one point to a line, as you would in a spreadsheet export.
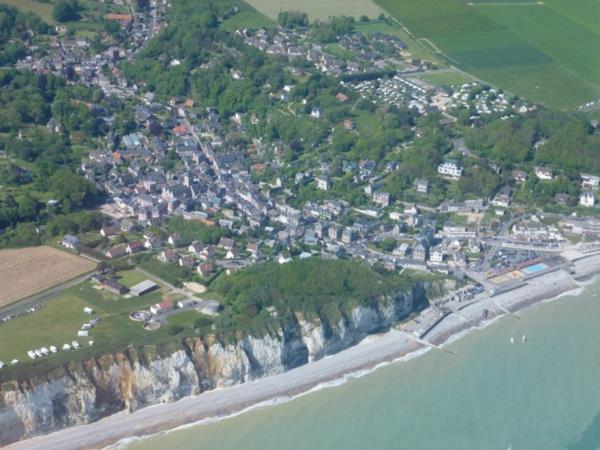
44	10
130	278
547	52
445	78
318	9
59	321
248	19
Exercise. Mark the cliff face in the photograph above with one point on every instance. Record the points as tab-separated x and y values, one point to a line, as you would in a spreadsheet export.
85	392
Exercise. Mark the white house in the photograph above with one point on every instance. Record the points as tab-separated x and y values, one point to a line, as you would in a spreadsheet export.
543	173
587	199
450	169
323	183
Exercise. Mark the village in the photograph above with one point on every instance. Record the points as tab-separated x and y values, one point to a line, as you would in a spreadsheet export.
192	172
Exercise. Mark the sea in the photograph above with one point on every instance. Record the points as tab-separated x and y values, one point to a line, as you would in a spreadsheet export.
541	392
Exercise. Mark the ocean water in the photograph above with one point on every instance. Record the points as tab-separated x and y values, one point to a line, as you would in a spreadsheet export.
540	394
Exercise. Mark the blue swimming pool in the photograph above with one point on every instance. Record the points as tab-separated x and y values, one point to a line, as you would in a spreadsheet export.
533	269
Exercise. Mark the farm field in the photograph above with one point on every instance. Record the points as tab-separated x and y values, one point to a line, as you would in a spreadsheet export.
318	9
44	10
546	51
27	271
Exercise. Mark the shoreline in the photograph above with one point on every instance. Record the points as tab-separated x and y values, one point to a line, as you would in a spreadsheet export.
358	360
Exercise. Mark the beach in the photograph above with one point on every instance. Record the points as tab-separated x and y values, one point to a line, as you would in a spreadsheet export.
384	348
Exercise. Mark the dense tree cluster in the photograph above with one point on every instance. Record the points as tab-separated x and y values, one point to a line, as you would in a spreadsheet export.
66	10
313	285
15	28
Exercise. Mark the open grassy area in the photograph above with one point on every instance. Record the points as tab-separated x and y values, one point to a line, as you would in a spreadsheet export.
318	9
445	78
58	322
546	51
44	10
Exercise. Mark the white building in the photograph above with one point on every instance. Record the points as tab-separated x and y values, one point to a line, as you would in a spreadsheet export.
544	173
450	169
587	199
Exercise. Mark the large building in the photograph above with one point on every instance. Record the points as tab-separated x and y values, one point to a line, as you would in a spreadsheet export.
450	169
143	288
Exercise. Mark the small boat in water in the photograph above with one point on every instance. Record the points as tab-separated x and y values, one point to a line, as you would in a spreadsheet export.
524	338
512	340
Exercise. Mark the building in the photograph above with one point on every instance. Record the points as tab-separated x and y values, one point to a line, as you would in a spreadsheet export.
347	235
143	288
450	169
590	181
134	247
381	198
520	176
113	287
502	198
117	251
168	255
543	173
587	199
323	183
205	269
422	185
436	255
71	242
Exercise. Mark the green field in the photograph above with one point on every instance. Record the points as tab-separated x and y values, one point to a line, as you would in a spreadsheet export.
44	10
59	321
545	51
318	9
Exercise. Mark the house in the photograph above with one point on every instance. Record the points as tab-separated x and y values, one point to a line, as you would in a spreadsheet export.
381	198
174	239
420	250
590	181
205	269
117	251
343	98
70	241
502	198
422	185
349	125
520	176
152	243
587	199
168	255
316	113
187	261
232	253
195	247
450	169
113	287
253	248
162	307
347	235
543	173
226	243
134	247
206	253
436	255
323	183
110	230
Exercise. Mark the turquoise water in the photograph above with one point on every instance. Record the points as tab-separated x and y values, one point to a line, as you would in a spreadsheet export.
535	268
540	394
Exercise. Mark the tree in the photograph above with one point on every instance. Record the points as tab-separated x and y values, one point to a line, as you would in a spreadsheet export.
66	11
